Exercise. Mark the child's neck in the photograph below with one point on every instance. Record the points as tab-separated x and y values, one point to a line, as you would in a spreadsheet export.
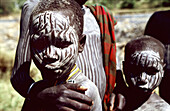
136	97
73	73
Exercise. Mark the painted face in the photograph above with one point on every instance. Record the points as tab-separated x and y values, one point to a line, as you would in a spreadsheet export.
145	70
54	43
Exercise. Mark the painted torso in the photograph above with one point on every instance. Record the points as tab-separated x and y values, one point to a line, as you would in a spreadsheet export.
92	91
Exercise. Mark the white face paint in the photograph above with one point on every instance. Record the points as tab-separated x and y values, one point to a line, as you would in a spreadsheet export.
54	42
146	69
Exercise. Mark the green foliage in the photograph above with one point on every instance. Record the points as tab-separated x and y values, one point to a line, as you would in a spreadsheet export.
126	4
165	3
132	4
108	3
156	3
20	3
10	100
7	6
6	63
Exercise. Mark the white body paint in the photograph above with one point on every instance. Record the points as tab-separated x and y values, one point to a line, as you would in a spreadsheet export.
54	39
147	59
59	50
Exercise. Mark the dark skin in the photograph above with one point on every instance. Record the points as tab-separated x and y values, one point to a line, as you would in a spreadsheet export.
65	97
52	96
136	95
117	100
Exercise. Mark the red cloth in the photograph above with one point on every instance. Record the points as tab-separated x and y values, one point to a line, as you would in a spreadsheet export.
106	23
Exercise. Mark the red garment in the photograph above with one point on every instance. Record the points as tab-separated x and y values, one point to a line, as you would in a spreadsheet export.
106	23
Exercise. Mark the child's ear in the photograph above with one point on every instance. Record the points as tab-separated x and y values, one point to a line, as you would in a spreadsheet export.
164	66
124	67
82	42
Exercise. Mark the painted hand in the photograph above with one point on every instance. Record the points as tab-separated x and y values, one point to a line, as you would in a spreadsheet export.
66	97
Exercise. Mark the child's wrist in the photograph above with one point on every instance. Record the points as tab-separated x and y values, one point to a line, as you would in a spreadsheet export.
37	87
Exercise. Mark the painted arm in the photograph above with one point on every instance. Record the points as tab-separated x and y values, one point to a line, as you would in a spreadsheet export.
20	78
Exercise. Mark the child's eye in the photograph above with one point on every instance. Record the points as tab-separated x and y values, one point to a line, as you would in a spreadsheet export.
66	44
152	71
63	44
38	43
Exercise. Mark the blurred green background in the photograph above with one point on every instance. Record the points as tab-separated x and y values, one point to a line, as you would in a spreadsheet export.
10	6
10	11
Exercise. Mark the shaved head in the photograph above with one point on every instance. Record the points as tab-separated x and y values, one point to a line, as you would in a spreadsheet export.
68	7
144	63
144	43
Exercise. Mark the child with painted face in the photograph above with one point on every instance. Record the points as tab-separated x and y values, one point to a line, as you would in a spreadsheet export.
95	61
158	27
143	69
56	39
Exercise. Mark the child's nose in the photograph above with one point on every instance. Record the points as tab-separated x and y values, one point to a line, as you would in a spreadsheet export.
51	54
141	81
143	78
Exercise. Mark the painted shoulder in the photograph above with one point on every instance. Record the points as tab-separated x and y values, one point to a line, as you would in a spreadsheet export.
91	92
154	103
